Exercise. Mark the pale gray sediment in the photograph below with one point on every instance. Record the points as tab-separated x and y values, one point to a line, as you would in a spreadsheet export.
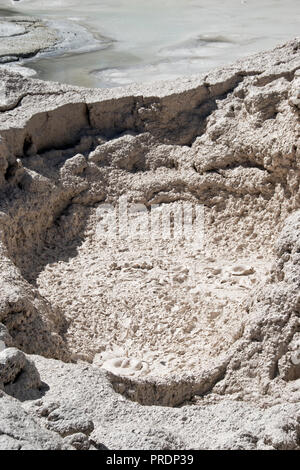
24	38
215	349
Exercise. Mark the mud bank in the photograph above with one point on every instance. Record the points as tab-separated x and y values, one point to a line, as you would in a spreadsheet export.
121	323
24	38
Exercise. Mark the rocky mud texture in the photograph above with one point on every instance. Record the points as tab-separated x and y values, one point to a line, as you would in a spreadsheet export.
207	329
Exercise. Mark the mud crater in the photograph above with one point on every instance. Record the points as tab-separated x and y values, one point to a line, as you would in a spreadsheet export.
149	309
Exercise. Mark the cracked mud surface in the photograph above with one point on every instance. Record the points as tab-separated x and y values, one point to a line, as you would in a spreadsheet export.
164	322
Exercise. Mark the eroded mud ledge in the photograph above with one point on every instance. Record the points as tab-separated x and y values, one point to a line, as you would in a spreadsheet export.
226	332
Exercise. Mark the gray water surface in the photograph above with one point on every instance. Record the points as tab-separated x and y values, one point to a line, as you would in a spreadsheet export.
160	39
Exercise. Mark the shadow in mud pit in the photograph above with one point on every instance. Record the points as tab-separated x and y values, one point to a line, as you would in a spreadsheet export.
59	243
31	394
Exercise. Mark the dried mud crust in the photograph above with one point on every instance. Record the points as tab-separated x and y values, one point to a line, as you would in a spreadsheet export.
168	321
23	37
